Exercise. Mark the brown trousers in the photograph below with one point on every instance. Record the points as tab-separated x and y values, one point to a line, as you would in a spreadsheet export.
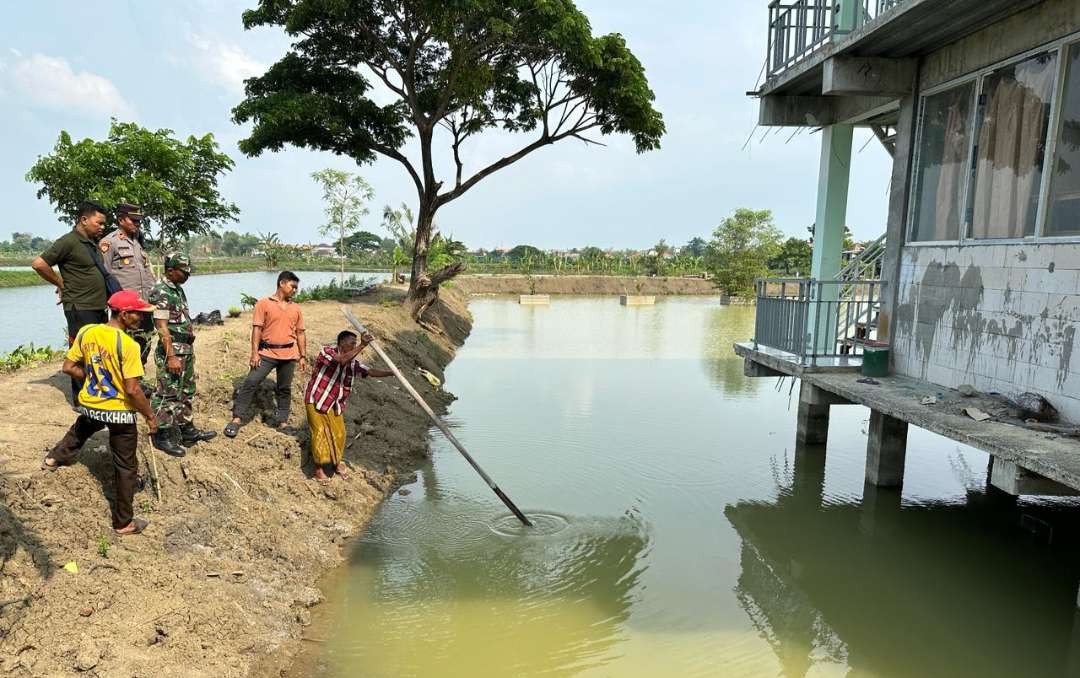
124	442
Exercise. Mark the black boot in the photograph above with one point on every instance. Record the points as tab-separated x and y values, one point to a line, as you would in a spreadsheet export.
189	435
165	440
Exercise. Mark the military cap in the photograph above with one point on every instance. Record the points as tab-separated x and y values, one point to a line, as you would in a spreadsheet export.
179	261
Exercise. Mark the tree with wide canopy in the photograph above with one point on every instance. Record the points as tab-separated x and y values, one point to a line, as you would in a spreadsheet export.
394	78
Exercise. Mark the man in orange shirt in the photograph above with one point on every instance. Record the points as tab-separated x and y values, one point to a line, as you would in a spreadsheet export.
278	343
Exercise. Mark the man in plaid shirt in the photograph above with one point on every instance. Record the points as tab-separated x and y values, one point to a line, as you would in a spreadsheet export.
325	396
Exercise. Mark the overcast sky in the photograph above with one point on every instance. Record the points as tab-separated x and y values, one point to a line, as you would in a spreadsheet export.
181	65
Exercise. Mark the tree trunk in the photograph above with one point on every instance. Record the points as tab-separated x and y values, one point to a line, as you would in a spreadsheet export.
424	222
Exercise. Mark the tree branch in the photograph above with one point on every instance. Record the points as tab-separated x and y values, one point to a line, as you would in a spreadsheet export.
400	157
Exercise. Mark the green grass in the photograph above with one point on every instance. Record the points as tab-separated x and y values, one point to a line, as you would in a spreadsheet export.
332	291
19	279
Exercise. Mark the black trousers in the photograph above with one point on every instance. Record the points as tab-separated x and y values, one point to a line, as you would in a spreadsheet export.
76	320
283	391
123	441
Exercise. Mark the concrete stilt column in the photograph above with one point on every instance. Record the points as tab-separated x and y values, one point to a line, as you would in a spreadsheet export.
885	450
880	509
808	486
813	422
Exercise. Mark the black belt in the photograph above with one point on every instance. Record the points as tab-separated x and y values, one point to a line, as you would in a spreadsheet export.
182	338
264	344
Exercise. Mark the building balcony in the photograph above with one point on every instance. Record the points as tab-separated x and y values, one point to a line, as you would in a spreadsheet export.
805	325
804	34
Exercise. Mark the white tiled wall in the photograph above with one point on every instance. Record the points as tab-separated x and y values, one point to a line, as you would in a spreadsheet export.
999	317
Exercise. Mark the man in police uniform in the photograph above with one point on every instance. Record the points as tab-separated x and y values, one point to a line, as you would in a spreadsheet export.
175	360
126	259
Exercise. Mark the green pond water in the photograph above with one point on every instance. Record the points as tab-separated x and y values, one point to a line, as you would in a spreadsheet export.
679	530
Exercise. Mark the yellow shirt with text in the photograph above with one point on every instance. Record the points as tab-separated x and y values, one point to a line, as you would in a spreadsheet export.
109	356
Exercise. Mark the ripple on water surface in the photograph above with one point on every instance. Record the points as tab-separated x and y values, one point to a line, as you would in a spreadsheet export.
543	525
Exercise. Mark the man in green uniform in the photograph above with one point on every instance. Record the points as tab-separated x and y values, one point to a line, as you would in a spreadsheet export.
125	258
175	360
81	283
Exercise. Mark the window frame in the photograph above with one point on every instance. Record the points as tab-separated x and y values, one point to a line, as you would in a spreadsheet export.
1062	48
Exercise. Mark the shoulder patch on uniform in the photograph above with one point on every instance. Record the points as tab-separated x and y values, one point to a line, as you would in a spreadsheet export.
104	246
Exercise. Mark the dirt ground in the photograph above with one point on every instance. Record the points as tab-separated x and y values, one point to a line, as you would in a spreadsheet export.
582	284
225	575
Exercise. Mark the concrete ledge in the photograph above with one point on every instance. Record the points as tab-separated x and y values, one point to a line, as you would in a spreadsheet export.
787	364
636	300
1011	479
534	299
1057	459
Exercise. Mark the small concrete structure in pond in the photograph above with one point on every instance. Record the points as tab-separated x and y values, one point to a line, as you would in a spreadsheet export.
534	299
637	300
976	280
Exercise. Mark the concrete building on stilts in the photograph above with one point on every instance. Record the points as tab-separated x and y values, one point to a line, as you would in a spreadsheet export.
976	282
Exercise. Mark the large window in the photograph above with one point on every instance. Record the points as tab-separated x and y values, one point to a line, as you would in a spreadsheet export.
998	156
944	139
1014	114
1063	216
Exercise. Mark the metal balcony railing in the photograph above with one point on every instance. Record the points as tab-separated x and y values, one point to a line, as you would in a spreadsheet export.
813	319
799	28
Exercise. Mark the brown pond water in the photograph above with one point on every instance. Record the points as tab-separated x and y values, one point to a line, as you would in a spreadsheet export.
680	531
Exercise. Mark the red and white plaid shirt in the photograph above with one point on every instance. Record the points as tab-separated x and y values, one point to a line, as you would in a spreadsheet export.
331	382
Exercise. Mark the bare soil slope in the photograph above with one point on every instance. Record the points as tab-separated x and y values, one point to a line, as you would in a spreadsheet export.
226	572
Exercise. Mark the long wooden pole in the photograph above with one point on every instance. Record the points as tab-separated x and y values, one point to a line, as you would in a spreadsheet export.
438	421
152	464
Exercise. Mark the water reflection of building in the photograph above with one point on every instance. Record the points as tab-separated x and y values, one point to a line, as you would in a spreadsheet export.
919	590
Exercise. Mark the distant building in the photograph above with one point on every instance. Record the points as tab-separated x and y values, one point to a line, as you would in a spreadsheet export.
323	250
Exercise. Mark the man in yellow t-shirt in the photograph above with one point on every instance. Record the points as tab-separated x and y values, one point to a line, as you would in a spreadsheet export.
108	362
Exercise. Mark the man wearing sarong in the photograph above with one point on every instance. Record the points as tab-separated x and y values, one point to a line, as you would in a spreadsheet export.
325	396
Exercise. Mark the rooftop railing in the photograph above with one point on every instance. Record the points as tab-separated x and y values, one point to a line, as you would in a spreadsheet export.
799	29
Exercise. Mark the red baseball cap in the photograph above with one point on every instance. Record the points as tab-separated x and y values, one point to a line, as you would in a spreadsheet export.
128	300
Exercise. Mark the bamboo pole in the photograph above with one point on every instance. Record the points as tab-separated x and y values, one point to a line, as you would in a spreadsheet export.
151	463
438	421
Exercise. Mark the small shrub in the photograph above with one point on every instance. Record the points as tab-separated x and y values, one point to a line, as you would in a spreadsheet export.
103	546
234	312
26	355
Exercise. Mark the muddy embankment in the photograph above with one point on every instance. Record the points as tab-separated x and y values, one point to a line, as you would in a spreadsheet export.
583	284
225	574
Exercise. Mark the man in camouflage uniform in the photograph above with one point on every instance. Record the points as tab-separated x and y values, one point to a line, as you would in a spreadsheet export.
124	257
175	360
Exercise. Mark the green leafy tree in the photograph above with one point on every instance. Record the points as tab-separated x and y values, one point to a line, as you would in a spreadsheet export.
741	248
175	182
362	243
346	196
460	68
696	247
793	257
521	251
272	249
401	225
654	260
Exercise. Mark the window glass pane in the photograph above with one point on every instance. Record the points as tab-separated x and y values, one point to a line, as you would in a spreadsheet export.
1014	113
1063	215
945	136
